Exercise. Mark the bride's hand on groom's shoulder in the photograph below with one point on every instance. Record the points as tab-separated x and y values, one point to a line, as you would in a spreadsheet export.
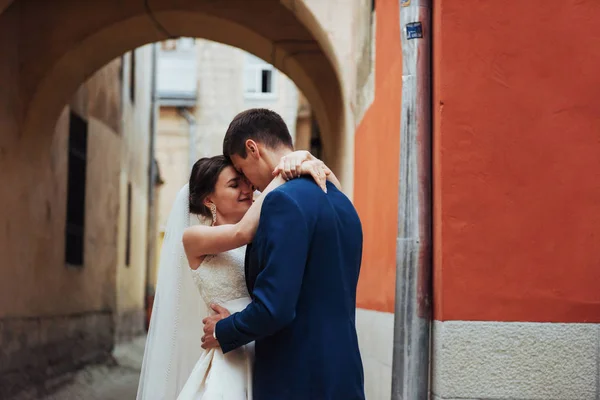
318	170
290	165
300	163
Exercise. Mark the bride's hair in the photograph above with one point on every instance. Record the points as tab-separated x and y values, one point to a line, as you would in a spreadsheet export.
203	180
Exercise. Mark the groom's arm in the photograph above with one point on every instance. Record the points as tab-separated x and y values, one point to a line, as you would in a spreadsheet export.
278	285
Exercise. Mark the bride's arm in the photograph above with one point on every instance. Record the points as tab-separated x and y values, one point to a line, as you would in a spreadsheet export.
201	240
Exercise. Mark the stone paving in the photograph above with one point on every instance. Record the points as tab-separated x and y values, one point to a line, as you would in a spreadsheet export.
107	382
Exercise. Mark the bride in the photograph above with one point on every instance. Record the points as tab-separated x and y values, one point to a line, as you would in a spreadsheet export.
202	266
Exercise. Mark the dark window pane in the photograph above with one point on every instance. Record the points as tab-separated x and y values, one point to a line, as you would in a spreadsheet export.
132	78
128	244
266	81
77	166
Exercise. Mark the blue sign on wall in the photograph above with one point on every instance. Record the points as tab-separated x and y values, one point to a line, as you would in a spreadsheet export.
414	30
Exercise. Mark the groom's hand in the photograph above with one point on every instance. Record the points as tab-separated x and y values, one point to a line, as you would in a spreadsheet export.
208	340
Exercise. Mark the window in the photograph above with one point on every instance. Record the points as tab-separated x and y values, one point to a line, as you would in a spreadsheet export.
128	244
76	186
259	77
177	72
132	78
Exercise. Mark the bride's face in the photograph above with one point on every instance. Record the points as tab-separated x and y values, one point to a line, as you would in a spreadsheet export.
232	196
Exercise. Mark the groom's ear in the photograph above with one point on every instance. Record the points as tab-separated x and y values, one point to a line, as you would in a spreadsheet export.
252	149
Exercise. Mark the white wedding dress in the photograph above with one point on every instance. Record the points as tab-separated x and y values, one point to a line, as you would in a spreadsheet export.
218	376
175	366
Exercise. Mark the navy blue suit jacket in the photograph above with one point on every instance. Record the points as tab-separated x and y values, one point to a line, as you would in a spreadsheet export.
302	270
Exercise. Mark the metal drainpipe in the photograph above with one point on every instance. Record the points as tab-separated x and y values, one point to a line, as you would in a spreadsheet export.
413	308
152	177
189	117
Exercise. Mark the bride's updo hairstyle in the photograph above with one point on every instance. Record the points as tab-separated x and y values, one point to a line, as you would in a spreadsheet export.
203	180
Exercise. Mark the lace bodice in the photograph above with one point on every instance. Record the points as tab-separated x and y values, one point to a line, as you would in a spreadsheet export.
220	278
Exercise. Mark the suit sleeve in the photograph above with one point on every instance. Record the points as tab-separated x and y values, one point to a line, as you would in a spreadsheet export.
284	253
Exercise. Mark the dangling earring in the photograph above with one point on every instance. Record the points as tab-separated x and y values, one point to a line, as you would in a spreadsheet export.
213	211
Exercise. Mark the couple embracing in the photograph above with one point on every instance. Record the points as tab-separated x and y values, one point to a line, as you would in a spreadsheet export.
257	299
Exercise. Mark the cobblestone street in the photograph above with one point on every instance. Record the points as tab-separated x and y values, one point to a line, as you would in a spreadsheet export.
107	382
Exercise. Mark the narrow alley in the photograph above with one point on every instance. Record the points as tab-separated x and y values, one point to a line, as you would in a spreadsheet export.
113	381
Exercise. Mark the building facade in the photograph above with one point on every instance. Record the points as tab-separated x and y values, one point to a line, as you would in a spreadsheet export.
514	146
73	250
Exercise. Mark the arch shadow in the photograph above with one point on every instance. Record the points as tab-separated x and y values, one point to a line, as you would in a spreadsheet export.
68	40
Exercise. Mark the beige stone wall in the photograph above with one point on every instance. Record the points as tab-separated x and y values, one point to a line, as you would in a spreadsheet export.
55	317
50	312
303	124
135	158
34	280
343	22
172	146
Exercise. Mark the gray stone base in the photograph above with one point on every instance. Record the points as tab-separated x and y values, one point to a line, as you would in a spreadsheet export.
376	340
130	324
37	355
515	360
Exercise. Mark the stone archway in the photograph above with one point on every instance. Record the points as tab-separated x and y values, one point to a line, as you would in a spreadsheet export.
4	4
64	42
49	49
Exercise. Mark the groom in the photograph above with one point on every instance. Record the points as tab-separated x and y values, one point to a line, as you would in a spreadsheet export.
301	270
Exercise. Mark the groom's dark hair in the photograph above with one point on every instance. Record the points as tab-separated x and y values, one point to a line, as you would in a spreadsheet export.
259	124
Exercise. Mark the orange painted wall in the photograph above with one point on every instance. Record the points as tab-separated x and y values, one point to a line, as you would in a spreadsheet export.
376	167
517	160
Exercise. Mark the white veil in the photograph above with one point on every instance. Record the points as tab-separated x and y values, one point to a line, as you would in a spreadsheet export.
175	333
